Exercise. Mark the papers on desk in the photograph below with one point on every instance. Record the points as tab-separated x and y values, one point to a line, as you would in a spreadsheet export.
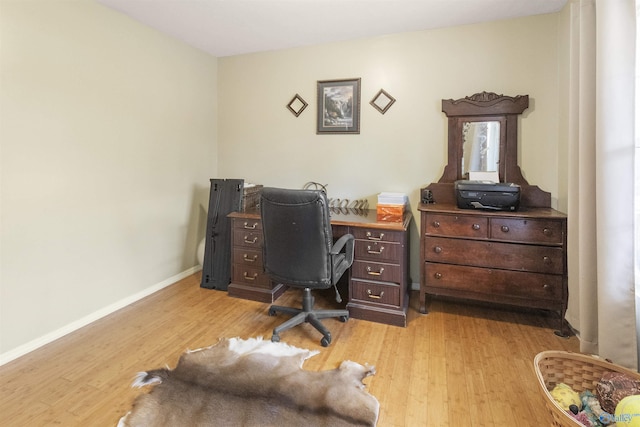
386	198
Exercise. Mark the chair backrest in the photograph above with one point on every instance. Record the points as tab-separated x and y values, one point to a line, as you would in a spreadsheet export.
297	237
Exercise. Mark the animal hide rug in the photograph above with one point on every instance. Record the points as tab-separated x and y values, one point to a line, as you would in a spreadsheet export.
253	383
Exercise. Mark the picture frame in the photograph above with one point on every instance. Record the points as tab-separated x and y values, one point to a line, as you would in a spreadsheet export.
297	105
338	106
382	101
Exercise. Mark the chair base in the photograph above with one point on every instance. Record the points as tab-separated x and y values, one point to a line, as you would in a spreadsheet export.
306	315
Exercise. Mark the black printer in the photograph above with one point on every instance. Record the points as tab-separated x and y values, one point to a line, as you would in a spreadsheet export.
498	196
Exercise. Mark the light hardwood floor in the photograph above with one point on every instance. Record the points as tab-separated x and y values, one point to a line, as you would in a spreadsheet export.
460	365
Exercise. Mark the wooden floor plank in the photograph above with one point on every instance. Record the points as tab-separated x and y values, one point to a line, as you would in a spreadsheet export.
461	364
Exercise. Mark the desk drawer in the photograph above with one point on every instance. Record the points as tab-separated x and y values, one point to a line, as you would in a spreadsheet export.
376	271
375	293
496	282
251	276
510	256
247	238
247	256
247	224
377	235
378	251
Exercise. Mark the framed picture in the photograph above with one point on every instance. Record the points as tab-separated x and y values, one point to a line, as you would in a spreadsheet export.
382	101
339	106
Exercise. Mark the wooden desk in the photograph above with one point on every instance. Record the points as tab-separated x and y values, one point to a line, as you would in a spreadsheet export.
378	279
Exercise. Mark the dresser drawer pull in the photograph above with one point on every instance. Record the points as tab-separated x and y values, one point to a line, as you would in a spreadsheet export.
504	229
437	249
372	252
476	226
373	296
547	232
436	224
255	239
372	237
546	260
247	258
375	273
250	227
438	275
247	277
546	286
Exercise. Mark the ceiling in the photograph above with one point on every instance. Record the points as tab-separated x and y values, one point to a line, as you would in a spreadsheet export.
235	27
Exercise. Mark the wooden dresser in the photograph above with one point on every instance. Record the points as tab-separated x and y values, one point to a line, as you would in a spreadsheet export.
378	279
516	258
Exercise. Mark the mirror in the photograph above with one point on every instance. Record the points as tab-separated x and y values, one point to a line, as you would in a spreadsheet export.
468	125
483	136
480	147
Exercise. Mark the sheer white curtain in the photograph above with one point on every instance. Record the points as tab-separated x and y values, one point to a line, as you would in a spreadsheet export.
601	187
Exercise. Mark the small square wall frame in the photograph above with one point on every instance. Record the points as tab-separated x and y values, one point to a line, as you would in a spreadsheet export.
297	105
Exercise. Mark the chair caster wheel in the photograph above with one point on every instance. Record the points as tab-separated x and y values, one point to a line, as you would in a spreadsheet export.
343	319
275	338
325	341
272	312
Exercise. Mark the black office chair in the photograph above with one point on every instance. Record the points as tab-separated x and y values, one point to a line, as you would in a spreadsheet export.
299	252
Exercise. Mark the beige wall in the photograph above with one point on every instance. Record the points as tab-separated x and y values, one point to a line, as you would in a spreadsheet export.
405	149
108	139
110	132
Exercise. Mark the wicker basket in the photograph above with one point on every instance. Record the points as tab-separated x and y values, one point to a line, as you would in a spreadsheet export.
579	371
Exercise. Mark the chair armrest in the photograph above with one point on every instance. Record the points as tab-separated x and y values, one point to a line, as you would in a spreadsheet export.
346	241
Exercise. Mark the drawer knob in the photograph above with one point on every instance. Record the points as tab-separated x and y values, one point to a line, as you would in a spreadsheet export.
372	237
247	277
247	258
436	224
438	275
504	229
375	273
250	227
546	286
476	226
546	260
246	240
372	252
437	249
374	296
547	232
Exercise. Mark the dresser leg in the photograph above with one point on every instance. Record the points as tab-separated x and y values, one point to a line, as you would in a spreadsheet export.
423	302
564	331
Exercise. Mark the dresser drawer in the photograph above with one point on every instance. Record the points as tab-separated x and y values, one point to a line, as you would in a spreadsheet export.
511	256
376	271
247	256
247	224
498	282
251	276
378	251
377	235
247	238
541	231
375	293
457	225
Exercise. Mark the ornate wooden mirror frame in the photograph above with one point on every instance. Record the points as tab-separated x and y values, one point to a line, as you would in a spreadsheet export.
487	107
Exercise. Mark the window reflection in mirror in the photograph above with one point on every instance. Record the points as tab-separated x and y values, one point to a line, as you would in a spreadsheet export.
480	147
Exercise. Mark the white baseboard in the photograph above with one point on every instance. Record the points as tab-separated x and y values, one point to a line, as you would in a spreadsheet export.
73	326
